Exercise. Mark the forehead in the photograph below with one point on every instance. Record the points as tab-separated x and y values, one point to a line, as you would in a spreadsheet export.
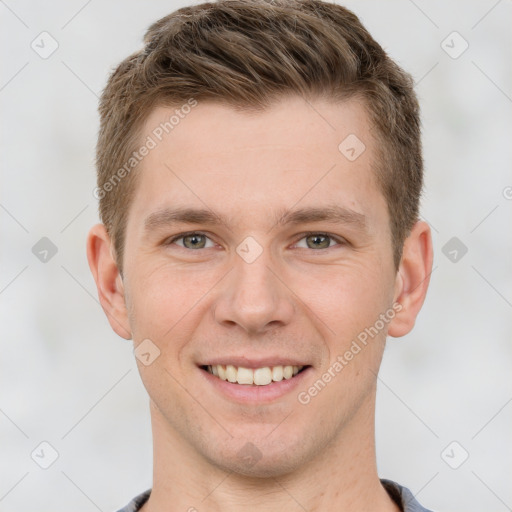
292	121
296	151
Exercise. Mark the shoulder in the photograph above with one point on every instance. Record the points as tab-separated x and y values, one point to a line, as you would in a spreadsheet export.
400	494
137	502
403	496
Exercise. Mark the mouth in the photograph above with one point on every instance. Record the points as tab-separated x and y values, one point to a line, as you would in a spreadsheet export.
253	376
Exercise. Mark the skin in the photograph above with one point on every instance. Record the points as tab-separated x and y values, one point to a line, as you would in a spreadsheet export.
295	299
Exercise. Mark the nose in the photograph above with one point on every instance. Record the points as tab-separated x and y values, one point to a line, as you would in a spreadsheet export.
254	297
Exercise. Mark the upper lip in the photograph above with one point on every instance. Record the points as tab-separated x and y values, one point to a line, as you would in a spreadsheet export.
260	362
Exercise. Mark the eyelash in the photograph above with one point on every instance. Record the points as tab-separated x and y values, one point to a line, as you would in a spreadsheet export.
338	240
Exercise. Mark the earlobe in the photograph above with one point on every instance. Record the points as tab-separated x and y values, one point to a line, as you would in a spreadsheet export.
412	278
108	280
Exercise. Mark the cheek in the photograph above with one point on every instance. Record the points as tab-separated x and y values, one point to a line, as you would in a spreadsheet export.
166	300
348	302
165	308
346	297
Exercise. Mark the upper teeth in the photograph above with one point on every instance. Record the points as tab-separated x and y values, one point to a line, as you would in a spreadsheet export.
258	376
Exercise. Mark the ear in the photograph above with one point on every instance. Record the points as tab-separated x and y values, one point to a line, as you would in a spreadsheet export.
412	279
108	280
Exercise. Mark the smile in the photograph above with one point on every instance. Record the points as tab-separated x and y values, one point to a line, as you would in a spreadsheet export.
253	376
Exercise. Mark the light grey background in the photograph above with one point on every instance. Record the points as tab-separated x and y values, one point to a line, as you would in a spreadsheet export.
67	379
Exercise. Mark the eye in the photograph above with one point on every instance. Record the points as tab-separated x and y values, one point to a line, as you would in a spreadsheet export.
318	241
191	241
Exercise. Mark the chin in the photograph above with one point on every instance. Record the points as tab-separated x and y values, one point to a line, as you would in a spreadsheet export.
261	458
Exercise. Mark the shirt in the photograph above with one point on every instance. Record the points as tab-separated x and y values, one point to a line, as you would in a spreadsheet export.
400	495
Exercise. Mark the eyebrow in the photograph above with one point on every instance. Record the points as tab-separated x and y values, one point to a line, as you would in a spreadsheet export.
184	215
333	214
170	216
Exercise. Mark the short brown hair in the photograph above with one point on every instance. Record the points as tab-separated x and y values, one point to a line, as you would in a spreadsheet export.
246	54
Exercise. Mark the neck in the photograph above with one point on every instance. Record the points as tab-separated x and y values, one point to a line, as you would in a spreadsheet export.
342	476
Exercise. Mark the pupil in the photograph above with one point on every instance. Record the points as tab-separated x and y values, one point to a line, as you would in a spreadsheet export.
194	240
318	242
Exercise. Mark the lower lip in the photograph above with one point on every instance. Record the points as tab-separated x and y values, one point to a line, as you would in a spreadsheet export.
246	393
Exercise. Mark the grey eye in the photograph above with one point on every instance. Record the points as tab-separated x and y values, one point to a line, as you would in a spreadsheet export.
193	241
316	241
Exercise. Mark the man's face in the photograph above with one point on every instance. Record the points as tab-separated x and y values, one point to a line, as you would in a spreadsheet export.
267	289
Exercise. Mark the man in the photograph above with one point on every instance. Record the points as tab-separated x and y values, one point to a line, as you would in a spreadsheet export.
259	174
